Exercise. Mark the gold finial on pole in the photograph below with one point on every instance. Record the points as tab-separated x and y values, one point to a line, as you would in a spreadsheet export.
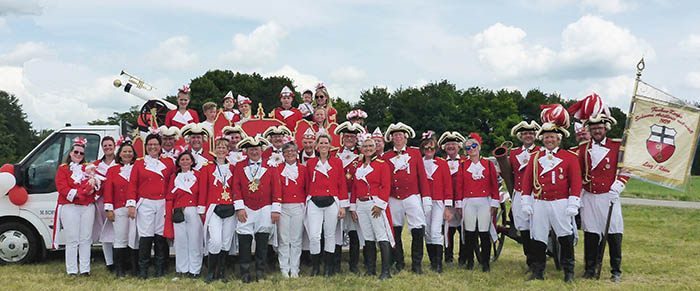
640	68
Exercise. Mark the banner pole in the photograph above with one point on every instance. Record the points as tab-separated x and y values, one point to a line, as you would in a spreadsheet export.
628	121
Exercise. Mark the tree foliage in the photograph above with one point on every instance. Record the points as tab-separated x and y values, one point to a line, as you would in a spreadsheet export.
18	137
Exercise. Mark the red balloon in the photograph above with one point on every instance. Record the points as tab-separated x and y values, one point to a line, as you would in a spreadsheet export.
18	195
7	168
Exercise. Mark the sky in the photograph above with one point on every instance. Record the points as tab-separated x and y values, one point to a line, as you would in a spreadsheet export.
60	57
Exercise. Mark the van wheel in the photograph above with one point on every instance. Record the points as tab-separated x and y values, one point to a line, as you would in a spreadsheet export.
18	244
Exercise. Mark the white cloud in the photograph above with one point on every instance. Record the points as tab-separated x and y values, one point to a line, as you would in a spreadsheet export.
301	81
23	7
348	74
256	48
25	52
691	43
608	6
173	54
615	91
692	79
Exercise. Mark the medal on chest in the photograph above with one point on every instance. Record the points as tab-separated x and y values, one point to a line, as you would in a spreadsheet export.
254	185
225	195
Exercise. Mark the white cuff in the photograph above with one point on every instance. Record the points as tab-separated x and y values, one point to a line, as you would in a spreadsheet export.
71	194
109	206
427	201
353	207
574	201
130	203
201	209
344	203
526	199
617	186
276	207
448	202
238	204
495	203
380	203
459	203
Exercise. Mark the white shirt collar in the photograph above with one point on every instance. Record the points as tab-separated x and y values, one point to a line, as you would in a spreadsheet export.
602	142
532	146
403	149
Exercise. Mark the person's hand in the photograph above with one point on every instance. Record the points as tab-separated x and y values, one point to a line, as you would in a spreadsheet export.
132	212
571	210
341	213
242	215
110	215
376	211
275	216
353	214
448	214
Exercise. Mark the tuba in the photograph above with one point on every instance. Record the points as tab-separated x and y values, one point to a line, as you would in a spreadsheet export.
501	155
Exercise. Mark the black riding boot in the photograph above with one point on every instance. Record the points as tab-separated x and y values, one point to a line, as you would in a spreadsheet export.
438	257
485	254
337	258
450	244
328	263
591	242
221	267
369	253
134	260
417	249
566	257
430	248
354	252
261	244
462	260
315	264
161	252
305	258
385	249
615	247
145	244
120	258
212	263
245	241
538	250
470	243
525	239
397	251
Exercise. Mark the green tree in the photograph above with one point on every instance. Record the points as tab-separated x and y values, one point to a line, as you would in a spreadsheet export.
18	137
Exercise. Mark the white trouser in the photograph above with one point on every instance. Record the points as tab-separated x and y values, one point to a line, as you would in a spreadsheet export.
410	208
372	229
188	242
290	229
258	221
594	213
550	215
100	219
476	214
434	218
150	217
321	218
121	227
77	221
221	231
521	220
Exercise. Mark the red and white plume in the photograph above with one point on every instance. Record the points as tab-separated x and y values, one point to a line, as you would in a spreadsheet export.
556	114
590	106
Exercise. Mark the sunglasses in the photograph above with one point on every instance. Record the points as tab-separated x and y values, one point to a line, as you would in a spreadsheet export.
320	97
474	145
79	153
429	148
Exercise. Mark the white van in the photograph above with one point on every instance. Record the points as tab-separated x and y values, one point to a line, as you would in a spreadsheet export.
26	231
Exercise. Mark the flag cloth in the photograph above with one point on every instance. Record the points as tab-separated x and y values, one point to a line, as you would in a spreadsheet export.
660	141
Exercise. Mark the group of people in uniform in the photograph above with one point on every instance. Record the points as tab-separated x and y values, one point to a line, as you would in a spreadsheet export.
222	194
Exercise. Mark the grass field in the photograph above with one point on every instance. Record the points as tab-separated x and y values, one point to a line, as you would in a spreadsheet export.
661	250
639	189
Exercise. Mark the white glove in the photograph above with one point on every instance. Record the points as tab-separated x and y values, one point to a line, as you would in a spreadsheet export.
571	210
427	204
572	205
527	209
617	187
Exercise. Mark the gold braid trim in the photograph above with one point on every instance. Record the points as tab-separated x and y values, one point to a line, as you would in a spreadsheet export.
586	174
536	182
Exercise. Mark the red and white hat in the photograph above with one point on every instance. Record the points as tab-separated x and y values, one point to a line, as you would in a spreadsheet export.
243	100
229	95
80	141
554	119
357	113
592	110
286	92
185	89
579	128
377	133
309	134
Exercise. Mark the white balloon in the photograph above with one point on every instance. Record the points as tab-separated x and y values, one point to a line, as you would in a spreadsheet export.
7	181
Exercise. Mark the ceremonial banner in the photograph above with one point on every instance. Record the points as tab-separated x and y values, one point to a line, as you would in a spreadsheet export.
660	141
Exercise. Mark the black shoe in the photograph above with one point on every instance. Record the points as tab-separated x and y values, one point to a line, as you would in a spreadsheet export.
86	274
616	278
111	268
369	252
417	249
539	259
385	249
535	276
212	262
192	276
245	273
145	244
470	265
568	277
315	264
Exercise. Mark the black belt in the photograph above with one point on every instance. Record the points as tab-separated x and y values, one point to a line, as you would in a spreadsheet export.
366	198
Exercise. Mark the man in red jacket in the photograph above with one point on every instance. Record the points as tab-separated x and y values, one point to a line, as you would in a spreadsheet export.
257	200
410	193
286	113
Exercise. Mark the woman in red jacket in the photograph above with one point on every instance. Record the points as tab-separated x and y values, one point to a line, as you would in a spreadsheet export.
328	193
75	213
102	165
182	116
440	181
115	197
291	224
477	199
368	205
217	207
183	190
148	185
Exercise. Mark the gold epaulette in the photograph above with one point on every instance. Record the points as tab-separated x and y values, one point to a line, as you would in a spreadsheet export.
414	148
584	142
141	158
616	139
439	158
379	160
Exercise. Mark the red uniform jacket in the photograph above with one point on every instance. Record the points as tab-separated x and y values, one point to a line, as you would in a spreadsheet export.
148	184
290	121
352	164
171	114
334	184
268	191
182	198
65	186
293	192
215	192
404	184
599	179
441	182
562	181
377	185
467	187
115	188
267	153
515	164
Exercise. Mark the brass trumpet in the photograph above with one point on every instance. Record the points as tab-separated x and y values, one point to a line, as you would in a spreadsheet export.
501	154
135	81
